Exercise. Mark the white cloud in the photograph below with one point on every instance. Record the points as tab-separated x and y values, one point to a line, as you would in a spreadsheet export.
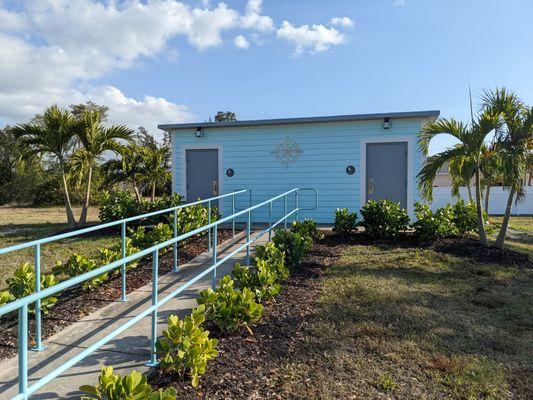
241	42
253	18
316	38
52	51
399	3
341	21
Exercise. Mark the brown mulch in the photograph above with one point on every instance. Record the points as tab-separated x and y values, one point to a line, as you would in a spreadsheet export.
76	303
247	366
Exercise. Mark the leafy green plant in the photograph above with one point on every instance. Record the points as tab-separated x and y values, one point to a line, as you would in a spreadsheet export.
434	225
107	256
465	217
260	279
185	347
133	386
384	219
143	238
78	264
193	217
307	227
274	257
345	221
22	284
6	297
293	245
230	308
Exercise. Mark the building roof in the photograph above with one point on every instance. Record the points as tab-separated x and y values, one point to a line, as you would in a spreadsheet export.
304	120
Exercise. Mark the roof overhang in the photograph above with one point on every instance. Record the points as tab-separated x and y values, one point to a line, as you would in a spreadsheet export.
430	114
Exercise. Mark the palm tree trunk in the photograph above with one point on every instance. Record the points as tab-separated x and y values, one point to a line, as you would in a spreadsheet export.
71	221
86	199
505	223
153	191
481	225
136	190
487	195
469	192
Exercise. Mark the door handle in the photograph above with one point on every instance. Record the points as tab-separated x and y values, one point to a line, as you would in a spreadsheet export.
370	185
215	188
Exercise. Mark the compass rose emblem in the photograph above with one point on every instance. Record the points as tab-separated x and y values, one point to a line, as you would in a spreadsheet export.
287	152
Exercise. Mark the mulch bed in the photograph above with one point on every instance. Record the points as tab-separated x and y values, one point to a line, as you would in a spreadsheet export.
247	367
76	303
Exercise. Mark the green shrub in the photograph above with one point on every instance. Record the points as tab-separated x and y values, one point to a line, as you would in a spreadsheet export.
465	216
384	219
119	205
230	308
293	245
434	225
78	264
130	387
193	217
274	257
260	279
143	238
107	256
22	284
307	227
345	221
6	297
185	347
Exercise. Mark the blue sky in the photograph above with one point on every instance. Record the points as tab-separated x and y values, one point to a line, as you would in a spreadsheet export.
166	61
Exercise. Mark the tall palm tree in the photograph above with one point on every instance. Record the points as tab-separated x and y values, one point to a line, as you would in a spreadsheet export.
155	169
461	172
491	171
128	168
51	135
469	150
95	139
514	143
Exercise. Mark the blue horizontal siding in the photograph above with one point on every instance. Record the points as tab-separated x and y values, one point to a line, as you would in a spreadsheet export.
327	149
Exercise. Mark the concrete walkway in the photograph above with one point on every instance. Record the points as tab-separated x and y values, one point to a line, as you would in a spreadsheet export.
129	350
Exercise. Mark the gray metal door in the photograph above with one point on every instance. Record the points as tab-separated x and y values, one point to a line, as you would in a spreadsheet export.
386	172
202	173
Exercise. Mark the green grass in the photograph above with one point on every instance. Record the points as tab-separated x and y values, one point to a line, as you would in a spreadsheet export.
398	322
18	225
519	234
517	223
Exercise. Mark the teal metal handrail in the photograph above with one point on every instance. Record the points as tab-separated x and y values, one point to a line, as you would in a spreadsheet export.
36	244
22	304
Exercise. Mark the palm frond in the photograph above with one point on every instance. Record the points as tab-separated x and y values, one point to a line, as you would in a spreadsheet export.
433	164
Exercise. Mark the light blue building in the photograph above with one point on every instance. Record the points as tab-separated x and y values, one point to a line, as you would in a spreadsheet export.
348	159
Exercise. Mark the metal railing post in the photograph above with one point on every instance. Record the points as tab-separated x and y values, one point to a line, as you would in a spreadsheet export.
23	350
233	212
175	268
123	267
269	221
215	244
248	223
153	339
296	206
285	212
38	343
209	222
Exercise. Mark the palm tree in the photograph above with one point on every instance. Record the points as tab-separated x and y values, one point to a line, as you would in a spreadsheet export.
95	139
126	169
461	172
514	143
51	135
155	169
468	151
491	171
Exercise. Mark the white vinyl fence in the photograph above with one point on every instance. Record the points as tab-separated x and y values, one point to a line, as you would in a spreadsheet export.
497	200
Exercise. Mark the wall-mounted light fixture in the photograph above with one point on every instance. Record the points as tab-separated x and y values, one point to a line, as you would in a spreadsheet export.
198	132
386	123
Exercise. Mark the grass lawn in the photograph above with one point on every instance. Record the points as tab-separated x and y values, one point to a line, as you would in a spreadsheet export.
407	322
519	235
517	223
19	224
